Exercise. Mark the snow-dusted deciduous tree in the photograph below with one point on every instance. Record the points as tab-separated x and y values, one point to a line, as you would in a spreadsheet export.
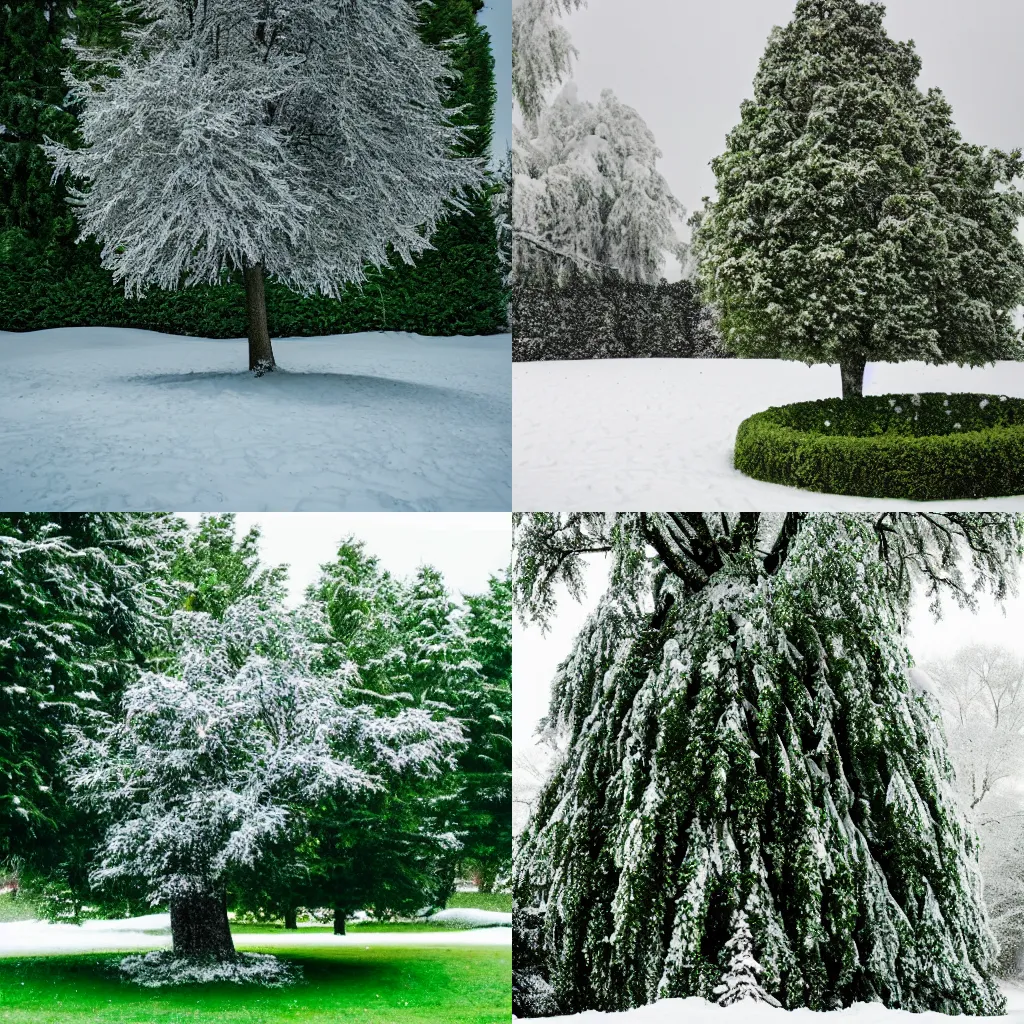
297	140
741	980
589	199
542	52
981	692
852	222
206	766
741	733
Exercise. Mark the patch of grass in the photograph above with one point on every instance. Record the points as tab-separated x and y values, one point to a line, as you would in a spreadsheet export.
500	901
352	927
380	985
16	908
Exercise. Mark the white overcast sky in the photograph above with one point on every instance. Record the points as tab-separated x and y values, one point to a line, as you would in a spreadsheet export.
537	655
685	67
468	547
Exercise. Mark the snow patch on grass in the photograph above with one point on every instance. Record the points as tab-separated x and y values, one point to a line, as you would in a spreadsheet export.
156	970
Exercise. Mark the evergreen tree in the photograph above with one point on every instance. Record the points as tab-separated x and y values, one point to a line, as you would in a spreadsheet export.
590	201
82	597
741	980
852	222
741	734
217	571
485	764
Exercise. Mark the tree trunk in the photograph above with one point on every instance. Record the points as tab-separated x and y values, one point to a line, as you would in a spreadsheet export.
199	926
339	921
852	369
261	352
290	921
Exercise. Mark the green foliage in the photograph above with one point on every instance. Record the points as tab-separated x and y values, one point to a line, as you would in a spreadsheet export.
217	570
81	597
852	221
499	901
379	985
930	447
47	281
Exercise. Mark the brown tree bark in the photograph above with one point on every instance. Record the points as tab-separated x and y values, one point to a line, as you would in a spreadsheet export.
290	919
199	926
339	921
852	370
261	352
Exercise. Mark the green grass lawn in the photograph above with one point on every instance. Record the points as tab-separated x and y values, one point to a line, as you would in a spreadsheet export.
380	985
352	928
500	901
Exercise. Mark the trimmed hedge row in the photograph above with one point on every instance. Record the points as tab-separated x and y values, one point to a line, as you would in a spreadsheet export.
928	447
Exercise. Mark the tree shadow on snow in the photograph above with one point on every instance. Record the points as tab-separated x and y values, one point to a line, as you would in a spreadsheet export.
325	388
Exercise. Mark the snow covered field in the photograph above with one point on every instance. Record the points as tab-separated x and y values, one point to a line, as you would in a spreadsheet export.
699	1011
97	418
651	433
26	938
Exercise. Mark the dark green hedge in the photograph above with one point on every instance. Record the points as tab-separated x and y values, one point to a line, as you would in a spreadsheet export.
929	447
453	290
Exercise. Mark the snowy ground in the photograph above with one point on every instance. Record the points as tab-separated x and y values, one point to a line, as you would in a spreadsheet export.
114	419
650	433
26	938
699	1011
472	916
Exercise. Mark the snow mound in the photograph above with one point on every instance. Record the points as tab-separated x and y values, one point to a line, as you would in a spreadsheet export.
103	418
472	916
146	923
660	433
155	970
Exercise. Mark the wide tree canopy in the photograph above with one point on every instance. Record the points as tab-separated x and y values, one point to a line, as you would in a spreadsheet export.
744	747
852	222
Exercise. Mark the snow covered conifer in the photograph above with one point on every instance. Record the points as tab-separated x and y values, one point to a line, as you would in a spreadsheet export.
298	141
589	199
207	767
742	979
852	222
740	733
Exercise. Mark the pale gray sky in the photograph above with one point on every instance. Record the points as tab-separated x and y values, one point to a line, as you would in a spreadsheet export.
686	67
468	547
496	16
537	655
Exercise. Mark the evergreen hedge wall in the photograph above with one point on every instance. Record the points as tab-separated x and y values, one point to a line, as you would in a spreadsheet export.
47	281
612	320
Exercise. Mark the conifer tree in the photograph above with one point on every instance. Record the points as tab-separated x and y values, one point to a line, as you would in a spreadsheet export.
853	223
741	735
741	980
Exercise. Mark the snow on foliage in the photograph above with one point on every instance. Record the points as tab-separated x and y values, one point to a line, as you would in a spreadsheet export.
542	51
852	221
741	980
741	734
162	967
588	194
305	137
204	767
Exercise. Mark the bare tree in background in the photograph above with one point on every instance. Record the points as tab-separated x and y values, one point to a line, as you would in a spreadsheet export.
981	691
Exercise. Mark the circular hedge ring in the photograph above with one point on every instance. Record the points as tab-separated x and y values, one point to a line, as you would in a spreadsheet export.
929	447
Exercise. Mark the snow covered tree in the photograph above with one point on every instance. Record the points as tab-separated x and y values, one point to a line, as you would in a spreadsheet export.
741	980
981	692
542	52
852	221
741	733
589	198
485	764
300	141
206	767
81	599
501	203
